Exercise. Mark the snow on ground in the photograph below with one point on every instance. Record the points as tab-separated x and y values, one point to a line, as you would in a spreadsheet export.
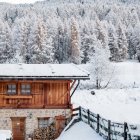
118	105
80	131
121	101
5	134
126	75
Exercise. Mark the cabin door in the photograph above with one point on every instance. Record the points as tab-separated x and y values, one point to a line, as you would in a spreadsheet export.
18	128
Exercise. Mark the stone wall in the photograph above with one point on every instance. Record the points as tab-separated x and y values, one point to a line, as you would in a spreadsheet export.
31	115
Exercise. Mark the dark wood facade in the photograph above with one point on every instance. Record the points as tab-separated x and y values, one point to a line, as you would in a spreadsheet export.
44	94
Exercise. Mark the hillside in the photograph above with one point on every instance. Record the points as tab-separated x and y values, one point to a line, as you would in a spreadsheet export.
69	31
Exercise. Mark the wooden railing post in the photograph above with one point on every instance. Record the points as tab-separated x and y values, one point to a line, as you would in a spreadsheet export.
98	123
80	113
109	130
88	113
125	131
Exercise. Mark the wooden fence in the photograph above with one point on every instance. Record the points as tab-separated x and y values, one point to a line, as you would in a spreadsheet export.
106	128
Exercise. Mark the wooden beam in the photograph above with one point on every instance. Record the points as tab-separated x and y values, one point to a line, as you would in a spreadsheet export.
18	97
34	107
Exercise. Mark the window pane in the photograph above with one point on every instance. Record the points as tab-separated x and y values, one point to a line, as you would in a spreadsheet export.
28	90
9	86
11	89
25	89
28	86
22	86
13	86
43	122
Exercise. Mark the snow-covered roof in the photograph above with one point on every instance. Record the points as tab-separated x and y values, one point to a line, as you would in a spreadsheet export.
42	71
80	131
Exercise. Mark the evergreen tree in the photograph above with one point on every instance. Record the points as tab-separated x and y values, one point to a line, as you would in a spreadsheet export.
87	48
42	49
112	42
101	32
6	49
21	43
136	40
75	42
131	45
122	42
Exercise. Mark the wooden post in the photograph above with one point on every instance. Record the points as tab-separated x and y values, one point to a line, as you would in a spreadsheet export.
125	131
98	123
88	113
109	130
80	113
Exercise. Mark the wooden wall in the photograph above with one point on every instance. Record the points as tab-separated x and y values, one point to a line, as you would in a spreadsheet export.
44	94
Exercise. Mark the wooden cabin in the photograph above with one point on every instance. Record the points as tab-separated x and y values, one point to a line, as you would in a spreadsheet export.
31	94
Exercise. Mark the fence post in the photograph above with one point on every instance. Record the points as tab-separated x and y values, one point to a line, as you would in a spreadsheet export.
80	112
109	130
98	123
125	131
88	112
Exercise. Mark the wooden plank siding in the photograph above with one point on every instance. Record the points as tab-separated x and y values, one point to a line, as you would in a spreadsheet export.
44	94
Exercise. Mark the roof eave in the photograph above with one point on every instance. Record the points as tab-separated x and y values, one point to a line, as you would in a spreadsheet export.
44	78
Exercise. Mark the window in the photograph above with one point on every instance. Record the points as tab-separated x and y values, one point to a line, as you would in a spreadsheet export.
11	89
43	122
25	89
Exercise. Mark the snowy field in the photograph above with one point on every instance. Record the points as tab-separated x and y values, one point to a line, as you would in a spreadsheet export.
120	102
126	75
80	131
119	105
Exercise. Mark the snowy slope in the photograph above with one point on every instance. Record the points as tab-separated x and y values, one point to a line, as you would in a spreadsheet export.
127	74
119	105
80	131
121	101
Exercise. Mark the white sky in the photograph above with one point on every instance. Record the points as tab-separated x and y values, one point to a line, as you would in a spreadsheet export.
19	1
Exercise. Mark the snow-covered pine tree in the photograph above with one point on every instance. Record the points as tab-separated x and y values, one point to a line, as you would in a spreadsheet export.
101	32
6	49
131	45
62	46
75	42
89	13
112	43
42	48
136	40
122	42
21	43
133	18
87	46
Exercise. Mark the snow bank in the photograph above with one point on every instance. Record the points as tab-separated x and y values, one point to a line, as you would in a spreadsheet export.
5	134
80	131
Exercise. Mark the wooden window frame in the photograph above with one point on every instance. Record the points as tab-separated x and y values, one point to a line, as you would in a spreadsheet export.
26	93
11	94
45	118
